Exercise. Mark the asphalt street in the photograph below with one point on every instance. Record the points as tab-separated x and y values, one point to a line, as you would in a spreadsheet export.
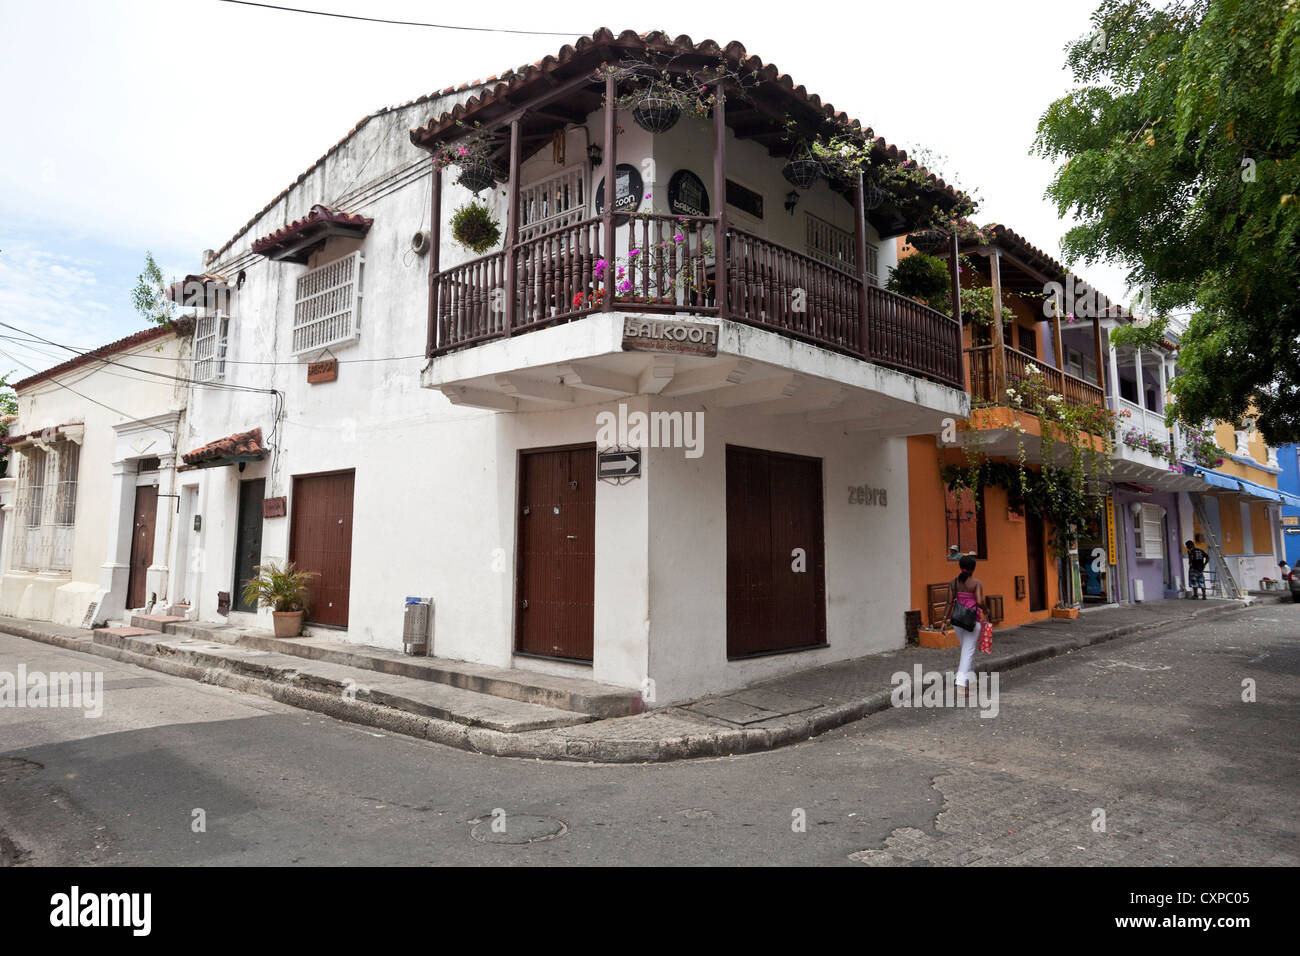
1138	751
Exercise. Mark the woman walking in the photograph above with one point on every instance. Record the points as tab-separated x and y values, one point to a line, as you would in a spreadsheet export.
968	594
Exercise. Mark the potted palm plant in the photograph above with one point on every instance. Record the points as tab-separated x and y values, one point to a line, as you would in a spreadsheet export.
284	590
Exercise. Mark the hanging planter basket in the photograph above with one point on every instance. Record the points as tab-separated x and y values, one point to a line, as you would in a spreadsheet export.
874	196
476	176
930	241
655	114
802	171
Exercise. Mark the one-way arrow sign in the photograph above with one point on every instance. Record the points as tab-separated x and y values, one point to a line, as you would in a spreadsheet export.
615	463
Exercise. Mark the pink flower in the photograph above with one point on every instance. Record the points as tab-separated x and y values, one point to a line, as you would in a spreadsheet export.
679	238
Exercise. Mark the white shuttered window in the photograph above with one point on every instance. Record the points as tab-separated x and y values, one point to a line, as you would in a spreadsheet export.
327	305
210	341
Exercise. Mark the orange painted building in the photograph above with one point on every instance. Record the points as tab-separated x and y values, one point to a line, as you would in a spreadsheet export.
1016	561
1007	540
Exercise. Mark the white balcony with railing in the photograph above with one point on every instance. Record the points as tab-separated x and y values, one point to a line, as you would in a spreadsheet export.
1145	451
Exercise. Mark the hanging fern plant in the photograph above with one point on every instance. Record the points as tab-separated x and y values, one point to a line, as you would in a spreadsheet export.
474	228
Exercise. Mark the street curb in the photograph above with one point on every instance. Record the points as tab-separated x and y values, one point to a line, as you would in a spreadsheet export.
549	745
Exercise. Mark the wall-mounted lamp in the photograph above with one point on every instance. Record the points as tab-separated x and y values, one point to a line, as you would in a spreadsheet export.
791	200
594	155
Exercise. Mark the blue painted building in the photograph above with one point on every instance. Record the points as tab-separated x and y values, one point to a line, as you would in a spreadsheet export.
1288	480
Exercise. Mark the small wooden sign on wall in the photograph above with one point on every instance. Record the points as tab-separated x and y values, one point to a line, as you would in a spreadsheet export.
326	370
275	507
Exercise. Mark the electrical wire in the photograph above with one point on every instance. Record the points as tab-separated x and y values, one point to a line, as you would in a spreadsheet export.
94	401
230	361
175	378
405	23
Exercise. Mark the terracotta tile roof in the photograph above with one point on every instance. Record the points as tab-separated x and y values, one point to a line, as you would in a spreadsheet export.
548	63
37	432
143	337
319	160
185	292
1010	239
286	242
505	87
224	451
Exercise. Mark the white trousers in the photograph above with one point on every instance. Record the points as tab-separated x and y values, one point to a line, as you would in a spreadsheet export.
968	641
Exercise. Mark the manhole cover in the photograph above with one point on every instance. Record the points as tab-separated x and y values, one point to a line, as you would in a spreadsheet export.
517	828
15	768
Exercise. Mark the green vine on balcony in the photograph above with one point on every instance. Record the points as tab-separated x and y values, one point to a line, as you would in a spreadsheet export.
1056	492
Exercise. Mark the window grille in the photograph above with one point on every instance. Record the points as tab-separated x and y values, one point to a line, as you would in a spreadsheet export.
46	508
555	202
65	506
327	304
210	340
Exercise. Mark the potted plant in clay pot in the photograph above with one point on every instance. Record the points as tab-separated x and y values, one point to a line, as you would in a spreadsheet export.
284	590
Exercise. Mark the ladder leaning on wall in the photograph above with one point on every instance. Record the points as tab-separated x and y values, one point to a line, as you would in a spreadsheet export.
1225	578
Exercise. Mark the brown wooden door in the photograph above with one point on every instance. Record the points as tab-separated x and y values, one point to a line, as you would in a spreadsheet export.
776	599
320	540
142	532
556	573
1037	562
248	539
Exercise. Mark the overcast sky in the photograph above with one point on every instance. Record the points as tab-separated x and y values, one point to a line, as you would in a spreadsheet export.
166	124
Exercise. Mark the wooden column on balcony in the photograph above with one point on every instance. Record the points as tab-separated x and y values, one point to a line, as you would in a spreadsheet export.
611	191
953	258
1097	336
1057	344
512	226
860	250
999	353
722	287
1110	389
435	244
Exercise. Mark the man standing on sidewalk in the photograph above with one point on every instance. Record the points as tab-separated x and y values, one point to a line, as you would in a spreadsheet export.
1197	559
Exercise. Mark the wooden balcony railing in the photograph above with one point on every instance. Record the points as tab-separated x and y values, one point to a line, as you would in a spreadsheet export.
984	386
558	277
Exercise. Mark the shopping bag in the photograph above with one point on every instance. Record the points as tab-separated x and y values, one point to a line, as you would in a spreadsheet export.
986	638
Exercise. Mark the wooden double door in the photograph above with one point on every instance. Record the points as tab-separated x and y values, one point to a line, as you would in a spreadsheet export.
555	584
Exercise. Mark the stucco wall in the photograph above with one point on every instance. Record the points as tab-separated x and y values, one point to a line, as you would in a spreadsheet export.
105	395
1007	558
866	557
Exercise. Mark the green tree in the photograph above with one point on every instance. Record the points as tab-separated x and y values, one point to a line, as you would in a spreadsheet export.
1180	161
8	406
150	294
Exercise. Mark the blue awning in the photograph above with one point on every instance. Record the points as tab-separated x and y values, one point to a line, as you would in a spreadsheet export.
1290	499
1218	480
1259	491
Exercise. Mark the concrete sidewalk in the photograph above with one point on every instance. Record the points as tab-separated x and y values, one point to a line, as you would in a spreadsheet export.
356	685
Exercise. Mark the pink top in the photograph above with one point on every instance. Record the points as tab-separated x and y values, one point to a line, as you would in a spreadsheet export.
969	599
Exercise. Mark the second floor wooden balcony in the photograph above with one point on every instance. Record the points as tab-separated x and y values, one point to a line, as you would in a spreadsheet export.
608	208
674	264
989	383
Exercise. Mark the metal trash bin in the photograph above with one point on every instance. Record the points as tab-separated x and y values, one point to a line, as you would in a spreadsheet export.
415	626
